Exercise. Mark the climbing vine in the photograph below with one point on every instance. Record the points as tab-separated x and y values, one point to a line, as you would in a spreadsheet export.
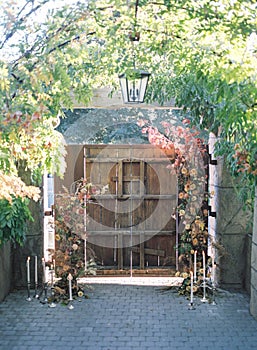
189	163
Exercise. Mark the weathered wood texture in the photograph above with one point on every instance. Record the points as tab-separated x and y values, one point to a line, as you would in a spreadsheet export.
131	210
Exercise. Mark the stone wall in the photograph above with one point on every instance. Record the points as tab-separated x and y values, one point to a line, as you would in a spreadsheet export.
248	254
84	125
233	233
5	270
32	246
253	302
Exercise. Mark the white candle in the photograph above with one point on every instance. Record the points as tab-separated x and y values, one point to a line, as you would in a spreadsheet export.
44	270
213	270
69	278
52	278
191	289
195	255
36	279
28	269
203	265
47	274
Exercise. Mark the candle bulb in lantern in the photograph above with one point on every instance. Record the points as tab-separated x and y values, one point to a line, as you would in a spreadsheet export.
195	256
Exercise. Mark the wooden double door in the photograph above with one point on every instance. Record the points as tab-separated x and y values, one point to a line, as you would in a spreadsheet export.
130	215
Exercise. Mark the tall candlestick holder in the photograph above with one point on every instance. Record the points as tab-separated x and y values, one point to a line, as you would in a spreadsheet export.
36	295
213	293
70	306
28	289
45	287
52	304
204	299
191	304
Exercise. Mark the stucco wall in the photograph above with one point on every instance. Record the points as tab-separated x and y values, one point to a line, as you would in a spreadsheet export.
233	232
5	270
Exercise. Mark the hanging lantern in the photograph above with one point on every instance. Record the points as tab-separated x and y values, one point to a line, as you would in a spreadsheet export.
133	85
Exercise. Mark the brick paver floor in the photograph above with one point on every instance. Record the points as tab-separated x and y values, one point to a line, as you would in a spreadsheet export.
128	316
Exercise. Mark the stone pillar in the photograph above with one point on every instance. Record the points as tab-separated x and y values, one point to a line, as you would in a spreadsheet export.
213	181
5	270
253	301
233	227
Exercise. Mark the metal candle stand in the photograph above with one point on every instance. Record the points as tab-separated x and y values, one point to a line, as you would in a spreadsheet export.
28	278
213	293
204	284
210	286
36	295
44	290
70	306
191	306
28	287
52	304
204	299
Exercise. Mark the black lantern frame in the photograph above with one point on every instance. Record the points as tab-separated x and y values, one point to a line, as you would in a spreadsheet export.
133	85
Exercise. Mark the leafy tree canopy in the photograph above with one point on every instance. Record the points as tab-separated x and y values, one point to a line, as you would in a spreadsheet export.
201	53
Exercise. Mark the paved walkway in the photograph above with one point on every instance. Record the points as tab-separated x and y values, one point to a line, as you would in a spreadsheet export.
128	316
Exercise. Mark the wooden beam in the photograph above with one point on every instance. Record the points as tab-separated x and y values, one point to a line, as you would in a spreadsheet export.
126	196
142	178
150	251
120	178
94	233
95	159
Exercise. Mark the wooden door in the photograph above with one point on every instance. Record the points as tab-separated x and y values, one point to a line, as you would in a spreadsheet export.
131	214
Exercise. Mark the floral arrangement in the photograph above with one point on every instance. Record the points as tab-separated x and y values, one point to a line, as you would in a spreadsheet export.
188	161
70	235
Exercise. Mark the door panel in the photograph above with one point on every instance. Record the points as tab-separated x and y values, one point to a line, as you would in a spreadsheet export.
131	211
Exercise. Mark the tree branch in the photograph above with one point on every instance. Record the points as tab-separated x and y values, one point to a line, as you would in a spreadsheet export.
9	35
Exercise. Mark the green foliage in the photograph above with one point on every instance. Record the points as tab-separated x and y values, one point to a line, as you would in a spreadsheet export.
201	54
13	220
